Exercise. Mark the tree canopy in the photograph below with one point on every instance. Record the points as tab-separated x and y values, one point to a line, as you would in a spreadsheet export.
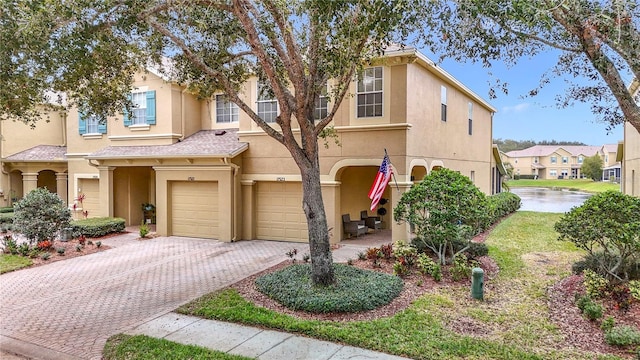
592	167
597	41
90	51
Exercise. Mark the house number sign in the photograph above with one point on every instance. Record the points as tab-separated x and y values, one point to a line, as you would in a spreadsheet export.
191	178
280	179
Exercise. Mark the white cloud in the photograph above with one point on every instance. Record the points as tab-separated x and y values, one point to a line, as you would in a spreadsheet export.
516	108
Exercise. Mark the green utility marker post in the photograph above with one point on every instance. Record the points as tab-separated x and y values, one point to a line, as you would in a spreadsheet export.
477	283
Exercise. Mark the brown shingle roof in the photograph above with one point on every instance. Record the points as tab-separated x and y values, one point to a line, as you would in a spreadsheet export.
40	153
204	143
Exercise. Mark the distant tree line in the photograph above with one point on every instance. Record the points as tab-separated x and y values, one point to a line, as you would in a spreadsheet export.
507	145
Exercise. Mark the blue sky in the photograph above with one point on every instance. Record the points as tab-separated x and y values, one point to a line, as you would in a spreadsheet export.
532	118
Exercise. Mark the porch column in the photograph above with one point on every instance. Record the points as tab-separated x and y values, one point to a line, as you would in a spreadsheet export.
331	199
29	182
398	231
61	184
106	191
248	209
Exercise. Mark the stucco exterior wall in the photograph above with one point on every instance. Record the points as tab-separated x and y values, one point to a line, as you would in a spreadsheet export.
631	165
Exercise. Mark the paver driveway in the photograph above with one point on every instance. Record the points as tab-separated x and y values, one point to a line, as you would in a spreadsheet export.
73	306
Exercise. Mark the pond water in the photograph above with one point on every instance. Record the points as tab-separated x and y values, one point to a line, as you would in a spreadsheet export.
549	200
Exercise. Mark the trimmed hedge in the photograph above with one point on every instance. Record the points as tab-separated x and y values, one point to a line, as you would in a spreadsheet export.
6	209
6	218
355	289
96	227
501	205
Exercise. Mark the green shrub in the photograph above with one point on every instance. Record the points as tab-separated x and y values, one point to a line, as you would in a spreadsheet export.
427	266
608	323
144	230
595	284
40	215
96	227
608	222
443	207
622	336
594	260
9	245
460	269
355	289
591	309
6	209
501	205
634	289
6	218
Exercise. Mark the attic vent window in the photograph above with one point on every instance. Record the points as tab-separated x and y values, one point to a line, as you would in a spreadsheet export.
220	132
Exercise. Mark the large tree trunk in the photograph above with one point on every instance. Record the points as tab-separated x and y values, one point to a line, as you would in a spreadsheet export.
321	260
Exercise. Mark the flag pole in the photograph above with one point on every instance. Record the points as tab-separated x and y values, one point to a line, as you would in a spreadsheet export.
392	172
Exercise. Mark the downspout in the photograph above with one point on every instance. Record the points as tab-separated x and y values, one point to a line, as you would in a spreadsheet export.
183	115
235	168
63	115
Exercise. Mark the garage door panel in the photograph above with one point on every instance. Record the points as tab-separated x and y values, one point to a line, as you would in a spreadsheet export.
195	211
279	212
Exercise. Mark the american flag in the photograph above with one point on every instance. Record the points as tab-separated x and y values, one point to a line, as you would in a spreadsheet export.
380	182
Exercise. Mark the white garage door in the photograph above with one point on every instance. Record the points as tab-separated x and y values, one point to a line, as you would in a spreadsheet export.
91	190
280	215
194	209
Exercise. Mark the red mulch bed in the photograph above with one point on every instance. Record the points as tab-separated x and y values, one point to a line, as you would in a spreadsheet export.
579	333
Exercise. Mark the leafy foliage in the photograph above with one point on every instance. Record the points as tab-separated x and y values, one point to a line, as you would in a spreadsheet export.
592	167
595	41
96	227
356	289
445	207
610	222
622	336
40	215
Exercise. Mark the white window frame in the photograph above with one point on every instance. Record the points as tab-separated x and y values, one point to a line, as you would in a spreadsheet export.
554	160
226	111
565	159
370	93
470	110
443	103
139	110
264	101
553	173
564	172
580	159
92	122
321	105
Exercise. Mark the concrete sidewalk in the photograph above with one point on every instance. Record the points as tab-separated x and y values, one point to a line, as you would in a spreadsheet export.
249	341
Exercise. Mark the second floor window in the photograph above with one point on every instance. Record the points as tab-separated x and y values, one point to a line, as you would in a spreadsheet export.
565	160
144	109
226	111
92	124
554	159
369	98
536	160
580	159
470	118
267	104
443	103
139	115
321	109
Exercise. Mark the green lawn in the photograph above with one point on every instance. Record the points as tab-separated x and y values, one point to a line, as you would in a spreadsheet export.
146	348
513	319
13	262
573	184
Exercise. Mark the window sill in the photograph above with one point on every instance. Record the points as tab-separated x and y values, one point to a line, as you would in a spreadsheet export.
140	127
92	136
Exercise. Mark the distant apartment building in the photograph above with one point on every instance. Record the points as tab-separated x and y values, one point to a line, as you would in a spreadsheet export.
560	161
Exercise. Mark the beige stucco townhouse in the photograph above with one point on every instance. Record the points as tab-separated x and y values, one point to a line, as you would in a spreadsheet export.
555	161
212	173
629	153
